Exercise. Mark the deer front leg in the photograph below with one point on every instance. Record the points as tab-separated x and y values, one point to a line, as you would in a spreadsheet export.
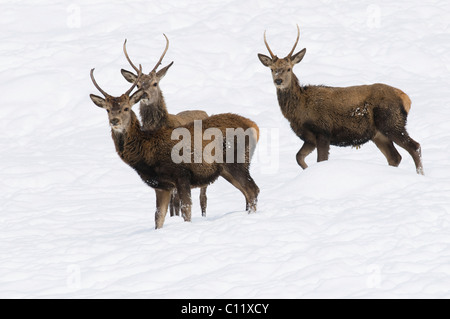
184	193
323	148
162	202
304	151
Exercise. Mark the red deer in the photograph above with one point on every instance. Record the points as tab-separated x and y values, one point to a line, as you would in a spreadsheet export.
343	116
154	113
149	153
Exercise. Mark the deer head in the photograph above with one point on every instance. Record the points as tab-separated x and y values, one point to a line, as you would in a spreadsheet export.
118	108
149	83
282	68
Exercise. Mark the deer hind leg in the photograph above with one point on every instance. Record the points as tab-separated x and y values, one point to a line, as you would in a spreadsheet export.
391	122
203	200
162	202
174	203
304	151
403	140
387	148
239	176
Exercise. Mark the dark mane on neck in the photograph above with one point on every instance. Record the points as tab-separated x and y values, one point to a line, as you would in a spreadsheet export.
154	116
128	143
290	97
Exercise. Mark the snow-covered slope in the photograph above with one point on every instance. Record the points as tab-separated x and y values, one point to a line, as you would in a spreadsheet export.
75	221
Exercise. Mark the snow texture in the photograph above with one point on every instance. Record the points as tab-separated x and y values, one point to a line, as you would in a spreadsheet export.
76	222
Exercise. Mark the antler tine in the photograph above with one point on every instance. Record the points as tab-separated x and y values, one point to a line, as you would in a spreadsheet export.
296	41
96	85
162	56
135	82
267	46
128	58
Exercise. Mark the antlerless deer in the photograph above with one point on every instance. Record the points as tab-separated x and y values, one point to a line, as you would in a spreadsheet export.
344	116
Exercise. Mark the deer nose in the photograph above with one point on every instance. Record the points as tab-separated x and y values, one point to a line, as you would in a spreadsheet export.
278	81
114	121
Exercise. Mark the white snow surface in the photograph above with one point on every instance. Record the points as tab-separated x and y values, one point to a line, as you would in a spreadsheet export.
76	222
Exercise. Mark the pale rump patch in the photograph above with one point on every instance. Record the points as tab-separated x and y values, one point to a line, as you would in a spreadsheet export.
255	131
405	99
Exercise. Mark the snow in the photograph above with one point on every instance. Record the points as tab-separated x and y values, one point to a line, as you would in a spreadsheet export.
76	222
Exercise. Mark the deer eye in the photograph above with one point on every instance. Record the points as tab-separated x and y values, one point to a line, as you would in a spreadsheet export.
126	109
155	84
289	70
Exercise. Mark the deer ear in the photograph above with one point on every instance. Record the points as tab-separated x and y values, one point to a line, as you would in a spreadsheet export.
296	58
129	76
161	73
136	96
265	60
99	101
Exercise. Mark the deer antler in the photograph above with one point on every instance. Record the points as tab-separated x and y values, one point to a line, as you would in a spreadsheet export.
128	58
96	85
296	41
267	46
162	56
127	92
135	82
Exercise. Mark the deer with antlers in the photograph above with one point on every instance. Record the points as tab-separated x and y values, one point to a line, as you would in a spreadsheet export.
154	112
149	153
343	116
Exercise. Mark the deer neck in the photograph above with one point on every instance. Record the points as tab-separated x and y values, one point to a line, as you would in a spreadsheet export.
291	98
154	114
129	142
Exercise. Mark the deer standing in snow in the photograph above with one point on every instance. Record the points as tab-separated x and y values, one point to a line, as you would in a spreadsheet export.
154	113
343	116
149	153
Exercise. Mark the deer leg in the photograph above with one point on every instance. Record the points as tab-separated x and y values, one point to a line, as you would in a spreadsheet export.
304	151
162	202
174	203
184	192
253	194
203	200
171	208
240	178
323	148
171	203
404	140
387	148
